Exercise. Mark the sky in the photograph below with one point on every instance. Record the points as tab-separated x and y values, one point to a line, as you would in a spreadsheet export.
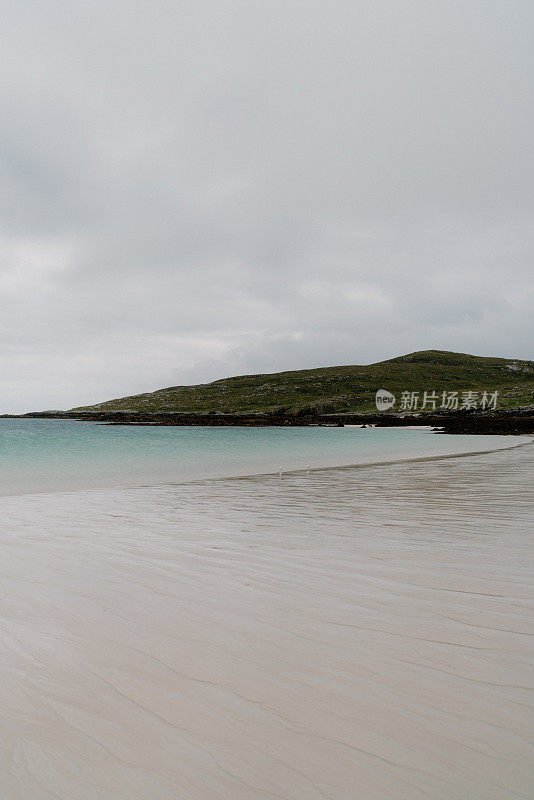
197	189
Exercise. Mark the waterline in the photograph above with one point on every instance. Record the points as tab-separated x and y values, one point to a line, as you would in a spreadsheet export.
65	455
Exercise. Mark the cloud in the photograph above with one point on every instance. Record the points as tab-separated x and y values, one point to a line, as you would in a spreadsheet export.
198	189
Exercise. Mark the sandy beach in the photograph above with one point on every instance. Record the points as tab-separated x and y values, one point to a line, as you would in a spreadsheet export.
352	634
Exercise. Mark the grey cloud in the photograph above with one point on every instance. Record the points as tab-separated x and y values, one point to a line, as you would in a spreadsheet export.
199	188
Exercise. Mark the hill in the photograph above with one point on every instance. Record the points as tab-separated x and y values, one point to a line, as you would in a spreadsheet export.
340	389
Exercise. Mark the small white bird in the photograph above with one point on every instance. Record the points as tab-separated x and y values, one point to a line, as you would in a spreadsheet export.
280	472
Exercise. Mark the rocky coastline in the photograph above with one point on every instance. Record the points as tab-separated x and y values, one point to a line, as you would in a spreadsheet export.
518	421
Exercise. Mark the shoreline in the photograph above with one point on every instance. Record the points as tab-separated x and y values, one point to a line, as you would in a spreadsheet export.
273	474
514	421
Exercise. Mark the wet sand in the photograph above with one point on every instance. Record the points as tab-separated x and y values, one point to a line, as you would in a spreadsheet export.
353	634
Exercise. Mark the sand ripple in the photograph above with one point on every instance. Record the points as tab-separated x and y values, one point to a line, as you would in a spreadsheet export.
353	634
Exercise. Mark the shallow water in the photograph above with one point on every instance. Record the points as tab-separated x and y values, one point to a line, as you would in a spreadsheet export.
355	633
54	455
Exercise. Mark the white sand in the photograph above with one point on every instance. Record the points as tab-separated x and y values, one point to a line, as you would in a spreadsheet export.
353	634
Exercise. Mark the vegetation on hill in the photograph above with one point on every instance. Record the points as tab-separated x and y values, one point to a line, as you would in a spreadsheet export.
342	389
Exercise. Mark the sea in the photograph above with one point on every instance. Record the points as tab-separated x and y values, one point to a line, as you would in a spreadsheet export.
39	455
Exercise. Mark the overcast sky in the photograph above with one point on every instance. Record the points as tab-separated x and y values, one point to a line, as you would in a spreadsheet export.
198	189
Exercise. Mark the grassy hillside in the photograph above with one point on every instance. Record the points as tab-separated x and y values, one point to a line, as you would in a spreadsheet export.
337	389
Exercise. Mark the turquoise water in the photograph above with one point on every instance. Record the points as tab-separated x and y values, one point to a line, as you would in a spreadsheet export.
55	455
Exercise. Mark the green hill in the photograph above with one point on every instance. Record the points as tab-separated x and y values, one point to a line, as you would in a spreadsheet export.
338	389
